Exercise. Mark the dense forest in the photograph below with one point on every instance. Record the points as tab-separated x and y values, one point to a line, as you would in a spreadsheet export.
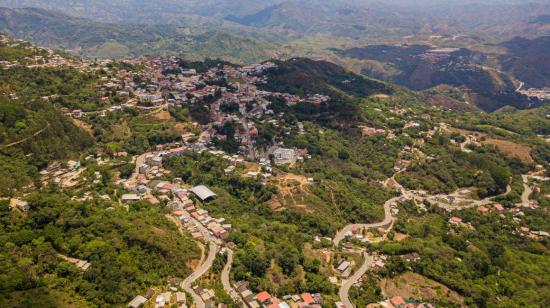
128	251
33	134
487	263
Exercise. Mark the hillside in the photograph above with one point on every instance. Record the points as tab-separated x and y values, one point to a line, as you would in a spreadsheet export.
349	18
337	18
528	60
396	19
147	12
421	67
303	76
95	39
33	132
162	179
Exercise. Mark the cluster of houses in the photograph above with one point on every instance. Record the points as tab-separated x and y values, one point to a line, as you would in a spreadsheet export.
182	205
41	57
517	214
163	81
197	220
172	298
266	300
64	175
207	295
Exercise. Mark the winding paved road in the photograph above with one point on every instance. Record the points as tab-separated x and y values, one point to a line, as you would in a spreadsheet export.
388	219
226	270
527	191
225	278
201	270
347	284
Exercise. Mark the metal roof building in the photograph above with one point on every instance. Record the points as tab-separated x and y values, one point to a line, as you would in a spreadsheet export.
203	192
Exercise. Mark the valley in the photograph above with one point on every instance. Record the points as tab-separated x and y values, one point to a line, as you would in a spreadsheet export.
279	154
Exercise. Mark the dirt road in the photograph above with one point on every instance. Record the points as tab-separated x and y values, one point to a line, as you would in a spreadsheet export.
25	139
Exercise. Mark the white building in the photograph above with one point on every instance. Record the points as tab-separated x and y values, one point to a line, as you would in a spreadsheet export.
284	156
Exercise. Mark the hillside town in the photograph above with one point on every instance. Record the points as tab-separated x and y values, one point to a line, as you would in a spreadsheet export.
233	111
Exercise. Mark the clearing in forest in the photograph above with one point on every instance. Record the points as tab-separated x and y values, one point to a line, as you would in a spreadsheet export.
418	287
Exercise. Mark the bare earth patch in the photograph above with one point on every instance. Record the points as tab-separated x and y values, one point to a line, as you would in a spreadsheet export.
158	231
85	126
292	189
163	115
251	167
415	286
509	148
399	236
382	96
512	149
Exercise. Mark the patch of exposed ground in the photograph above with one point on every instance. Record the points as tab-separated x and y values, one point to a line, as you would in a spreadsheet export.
399	236
291	189
509	148
415	286
512	149
251	167
163	115
158	231
382	96
83	125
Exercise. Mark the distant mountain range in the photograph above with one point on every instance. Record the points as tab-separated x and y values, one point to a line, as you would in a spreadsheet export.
421	67
198	12
334	17
351	18
107	40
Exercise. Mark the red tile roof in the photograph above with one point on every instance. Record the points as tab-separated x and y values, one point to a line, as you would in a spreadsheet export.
263	296
483	209
274	303
307	298
397	300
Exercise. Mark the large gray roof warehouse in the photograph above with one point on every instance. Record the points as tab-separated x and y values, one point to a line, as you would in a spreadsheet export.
203	192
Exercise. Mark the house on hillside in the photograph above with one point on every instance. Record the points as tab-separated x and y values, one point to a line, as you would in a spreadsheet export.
129	198
284	156
137	302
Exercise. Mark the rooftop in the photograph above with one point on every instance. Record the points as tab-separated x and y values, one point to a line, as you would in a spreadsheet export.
203	192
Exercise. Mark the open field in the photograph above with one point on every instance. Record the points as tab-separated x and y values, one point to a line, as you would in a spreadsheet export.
509	148
512	149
